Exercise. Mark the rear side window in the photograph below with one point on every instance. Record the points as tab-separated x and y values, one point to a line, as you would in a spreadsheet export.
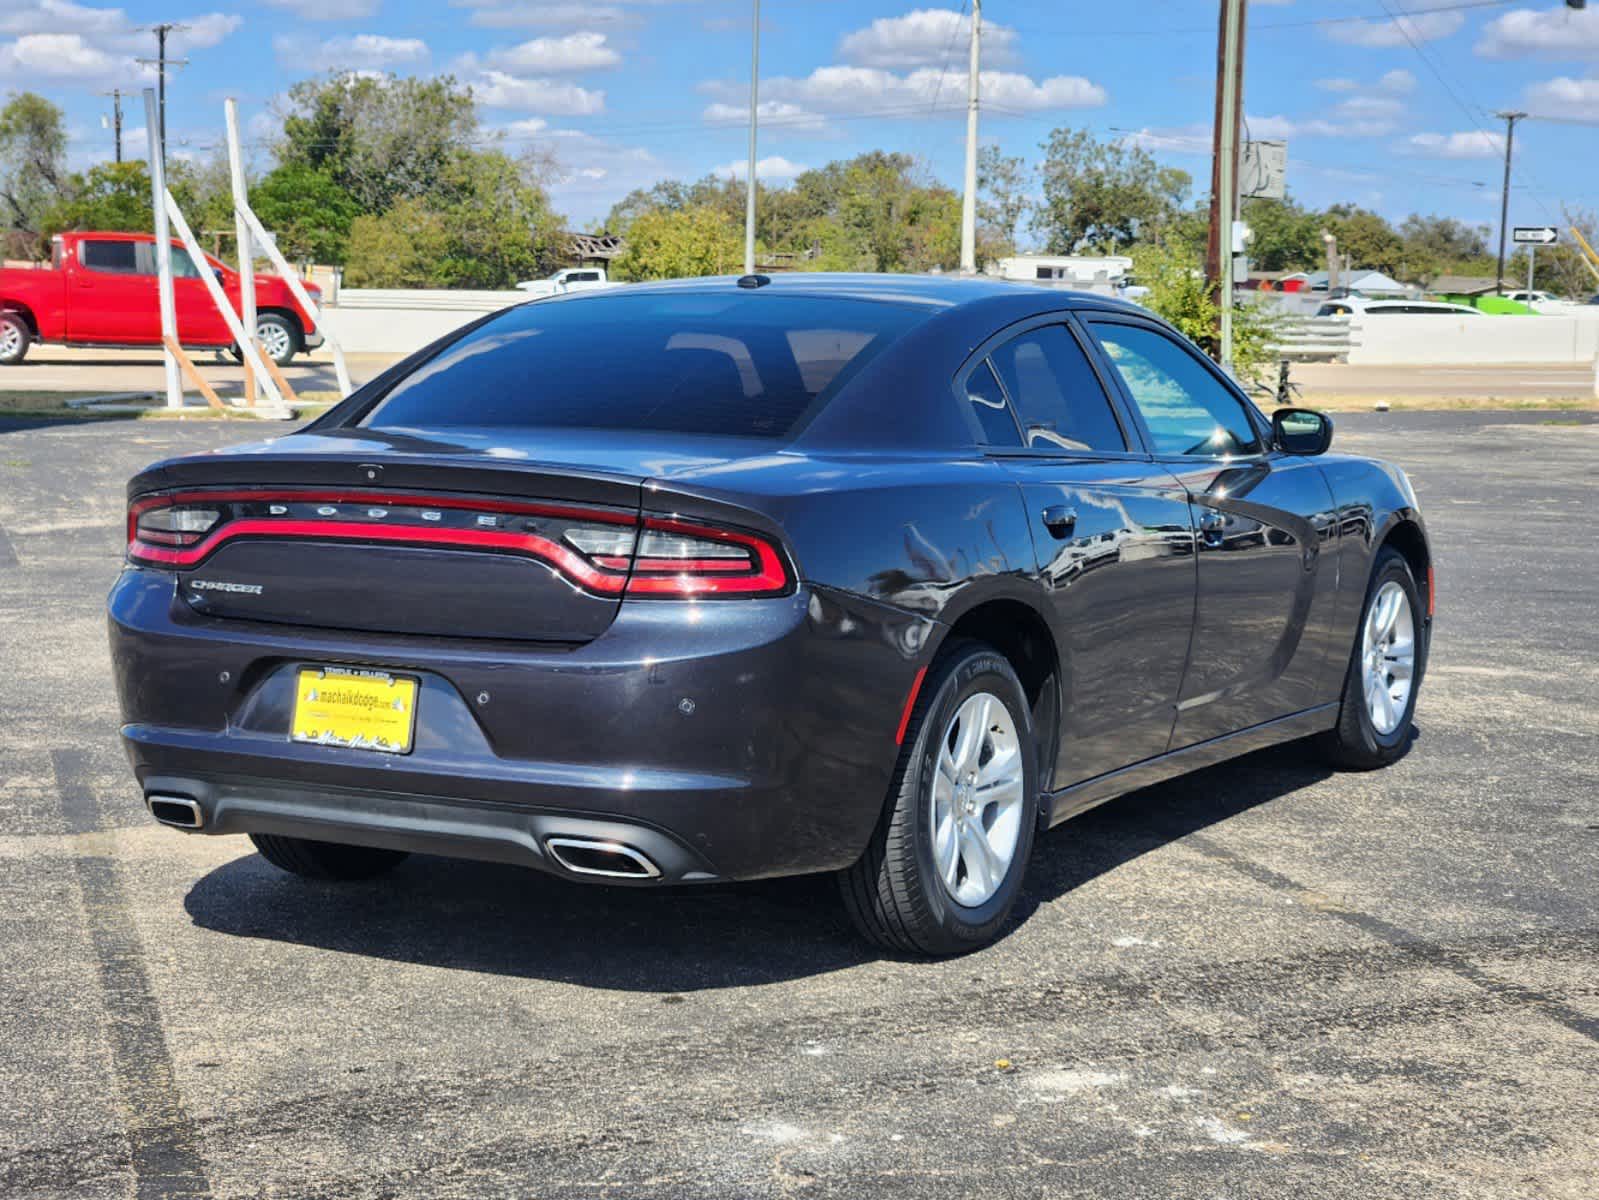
744	365
1056	393
114	258
987	400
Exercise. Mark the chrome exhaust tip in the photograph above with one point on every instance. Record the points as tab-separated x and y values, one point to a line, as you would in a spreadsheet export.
589	856
178	811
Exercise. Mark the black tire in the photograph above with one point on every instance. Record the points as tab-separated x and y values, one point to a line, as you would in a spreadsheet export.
1355	743
290	342
15	338
893	893
325	860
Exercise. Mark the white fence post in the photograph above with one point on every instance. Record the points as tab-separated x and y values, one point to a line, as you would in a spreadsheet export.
292	278
163	252
245	342
242	234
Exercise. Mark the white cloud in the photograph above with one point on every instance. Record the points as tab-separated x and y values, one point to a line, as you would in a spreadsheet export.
925	37
1469	144
1380	35
524	129
1557	32
555	55
856	90
534	14
497	89
1565	97
592	172
328	10
60	56
775	167
789	117
357	52
1393	83
60	16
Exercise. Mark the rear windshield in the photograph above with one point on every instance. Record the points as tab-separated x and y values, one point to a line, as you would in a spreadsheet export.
742	365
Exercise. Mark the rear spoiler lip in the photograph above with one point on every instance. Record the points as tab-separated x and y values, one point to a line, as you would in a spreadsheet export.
471	475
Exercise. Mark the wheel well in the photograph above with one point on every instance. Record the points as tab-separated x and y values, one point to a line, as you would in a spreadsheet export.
1020	634
24	312
1406	537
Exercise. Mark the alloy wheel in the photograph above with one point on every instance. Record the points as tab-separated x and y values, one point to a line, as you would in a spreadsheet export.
274	339
975	801
1388	657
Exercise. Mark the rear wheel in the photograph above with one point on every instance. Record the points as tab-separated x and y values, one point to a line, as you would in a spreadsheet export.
945	865
325	860
278	336
15	338
1385	670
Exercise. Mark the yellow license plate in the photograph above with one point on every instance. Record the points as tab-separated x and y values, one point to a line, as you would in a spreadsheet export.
363	710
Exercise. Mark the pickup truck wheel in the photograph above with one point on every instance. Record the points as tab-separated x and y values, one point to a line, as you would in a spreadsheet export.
278	337
15	338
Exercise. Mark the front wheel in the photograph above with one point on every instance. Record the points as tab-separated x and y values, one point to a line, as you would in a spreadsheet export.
1385	670
15	338
278	337
945	864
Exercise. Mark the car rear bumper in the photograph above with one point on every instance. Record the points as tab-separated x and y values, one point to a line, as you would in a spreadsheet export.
732	739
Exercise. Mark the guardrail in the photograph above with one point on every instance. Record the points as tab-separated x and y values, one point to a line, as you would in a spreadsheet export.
433	300
1314	339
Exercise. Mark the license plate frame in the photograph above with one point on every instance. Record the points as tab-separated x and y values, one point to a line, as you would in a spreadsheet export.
370	709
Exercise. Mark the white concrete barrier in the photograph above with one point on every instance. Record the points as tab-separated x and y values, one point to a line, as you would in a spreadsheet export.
397	321
1418	339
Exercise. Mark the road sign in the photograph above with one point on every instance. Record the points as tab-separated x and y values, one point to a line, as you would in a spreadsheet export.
1537	235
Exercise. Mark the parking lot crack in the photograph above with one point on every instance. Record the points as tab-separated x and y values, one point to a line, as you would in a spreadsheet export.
165	1158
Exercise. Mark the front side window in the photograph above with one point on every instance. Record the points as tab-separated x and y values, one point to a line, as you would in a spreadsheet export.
1188	410
111	258
182	265
1056	393
746	365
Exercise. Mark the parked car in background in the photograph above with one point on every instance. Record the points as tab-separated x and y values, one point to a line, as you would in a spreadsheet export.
572	279
101	290
1354	306
878	575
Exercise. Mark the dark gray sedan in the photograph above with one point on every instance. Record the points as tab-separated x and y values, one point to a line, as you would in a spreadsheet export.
730	578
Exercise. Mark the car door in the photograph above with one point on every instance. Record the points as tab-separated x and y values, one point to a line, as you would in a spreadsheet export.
1264	610
112	301
1112	538
199	322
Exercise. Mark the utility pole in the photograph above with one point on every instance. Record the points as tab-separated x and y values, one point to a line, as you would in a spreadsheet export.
969	199
1510	119
749	192
1224	170
116	117
161	62
1332	263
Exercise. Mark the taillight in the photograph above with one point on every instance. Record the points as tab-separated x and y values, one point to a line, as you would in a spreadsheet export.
604	551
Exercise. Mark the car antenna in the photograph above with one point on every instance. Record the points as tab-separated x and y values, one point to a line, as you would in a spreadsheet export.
754	281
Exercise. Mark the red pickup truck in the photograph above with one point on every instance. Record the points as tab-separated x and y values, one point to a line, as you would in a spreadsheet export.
100	290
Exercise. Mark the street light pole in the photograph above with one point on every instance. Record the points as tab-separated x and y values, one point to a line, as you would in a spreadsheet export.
1224	170
749	192
1510	119
969	198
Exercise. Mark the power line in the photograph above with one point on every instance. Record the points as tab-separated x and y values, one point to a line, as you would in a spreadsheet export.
1210	30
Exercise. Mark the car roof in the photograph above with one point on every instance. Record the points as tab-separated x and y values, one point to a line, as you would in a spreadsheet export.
923	291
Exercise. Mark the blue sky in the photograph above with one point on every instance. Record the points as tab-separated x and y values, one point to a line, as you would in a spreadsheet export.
1388	104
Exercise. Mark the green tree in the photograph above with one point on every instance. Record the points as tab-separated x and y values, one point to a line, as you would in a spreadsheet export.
1173	271
500	224
1002	199
308	213
399	249
33	175
111	196
1103	195
380	139
678	244
1368	239
1283	235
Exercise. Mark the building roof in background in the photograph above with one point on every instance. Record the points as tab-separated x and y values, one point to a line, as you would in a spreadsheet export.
1463	285
1362	281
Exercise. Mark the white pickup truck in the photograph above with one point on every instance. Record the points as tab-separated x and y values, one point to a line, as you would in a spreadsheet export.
571	279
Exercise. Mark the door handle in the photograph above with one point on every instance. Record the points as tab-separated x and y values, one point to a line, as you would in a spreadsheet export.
1211	526
1060	520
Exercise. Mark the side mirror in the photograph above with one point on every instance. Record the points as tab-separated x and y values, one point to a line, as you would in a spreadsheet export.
1301	431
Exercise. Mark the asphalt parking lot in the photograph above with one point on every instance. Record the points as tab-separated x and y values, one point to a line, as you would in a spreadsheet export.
1264	980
